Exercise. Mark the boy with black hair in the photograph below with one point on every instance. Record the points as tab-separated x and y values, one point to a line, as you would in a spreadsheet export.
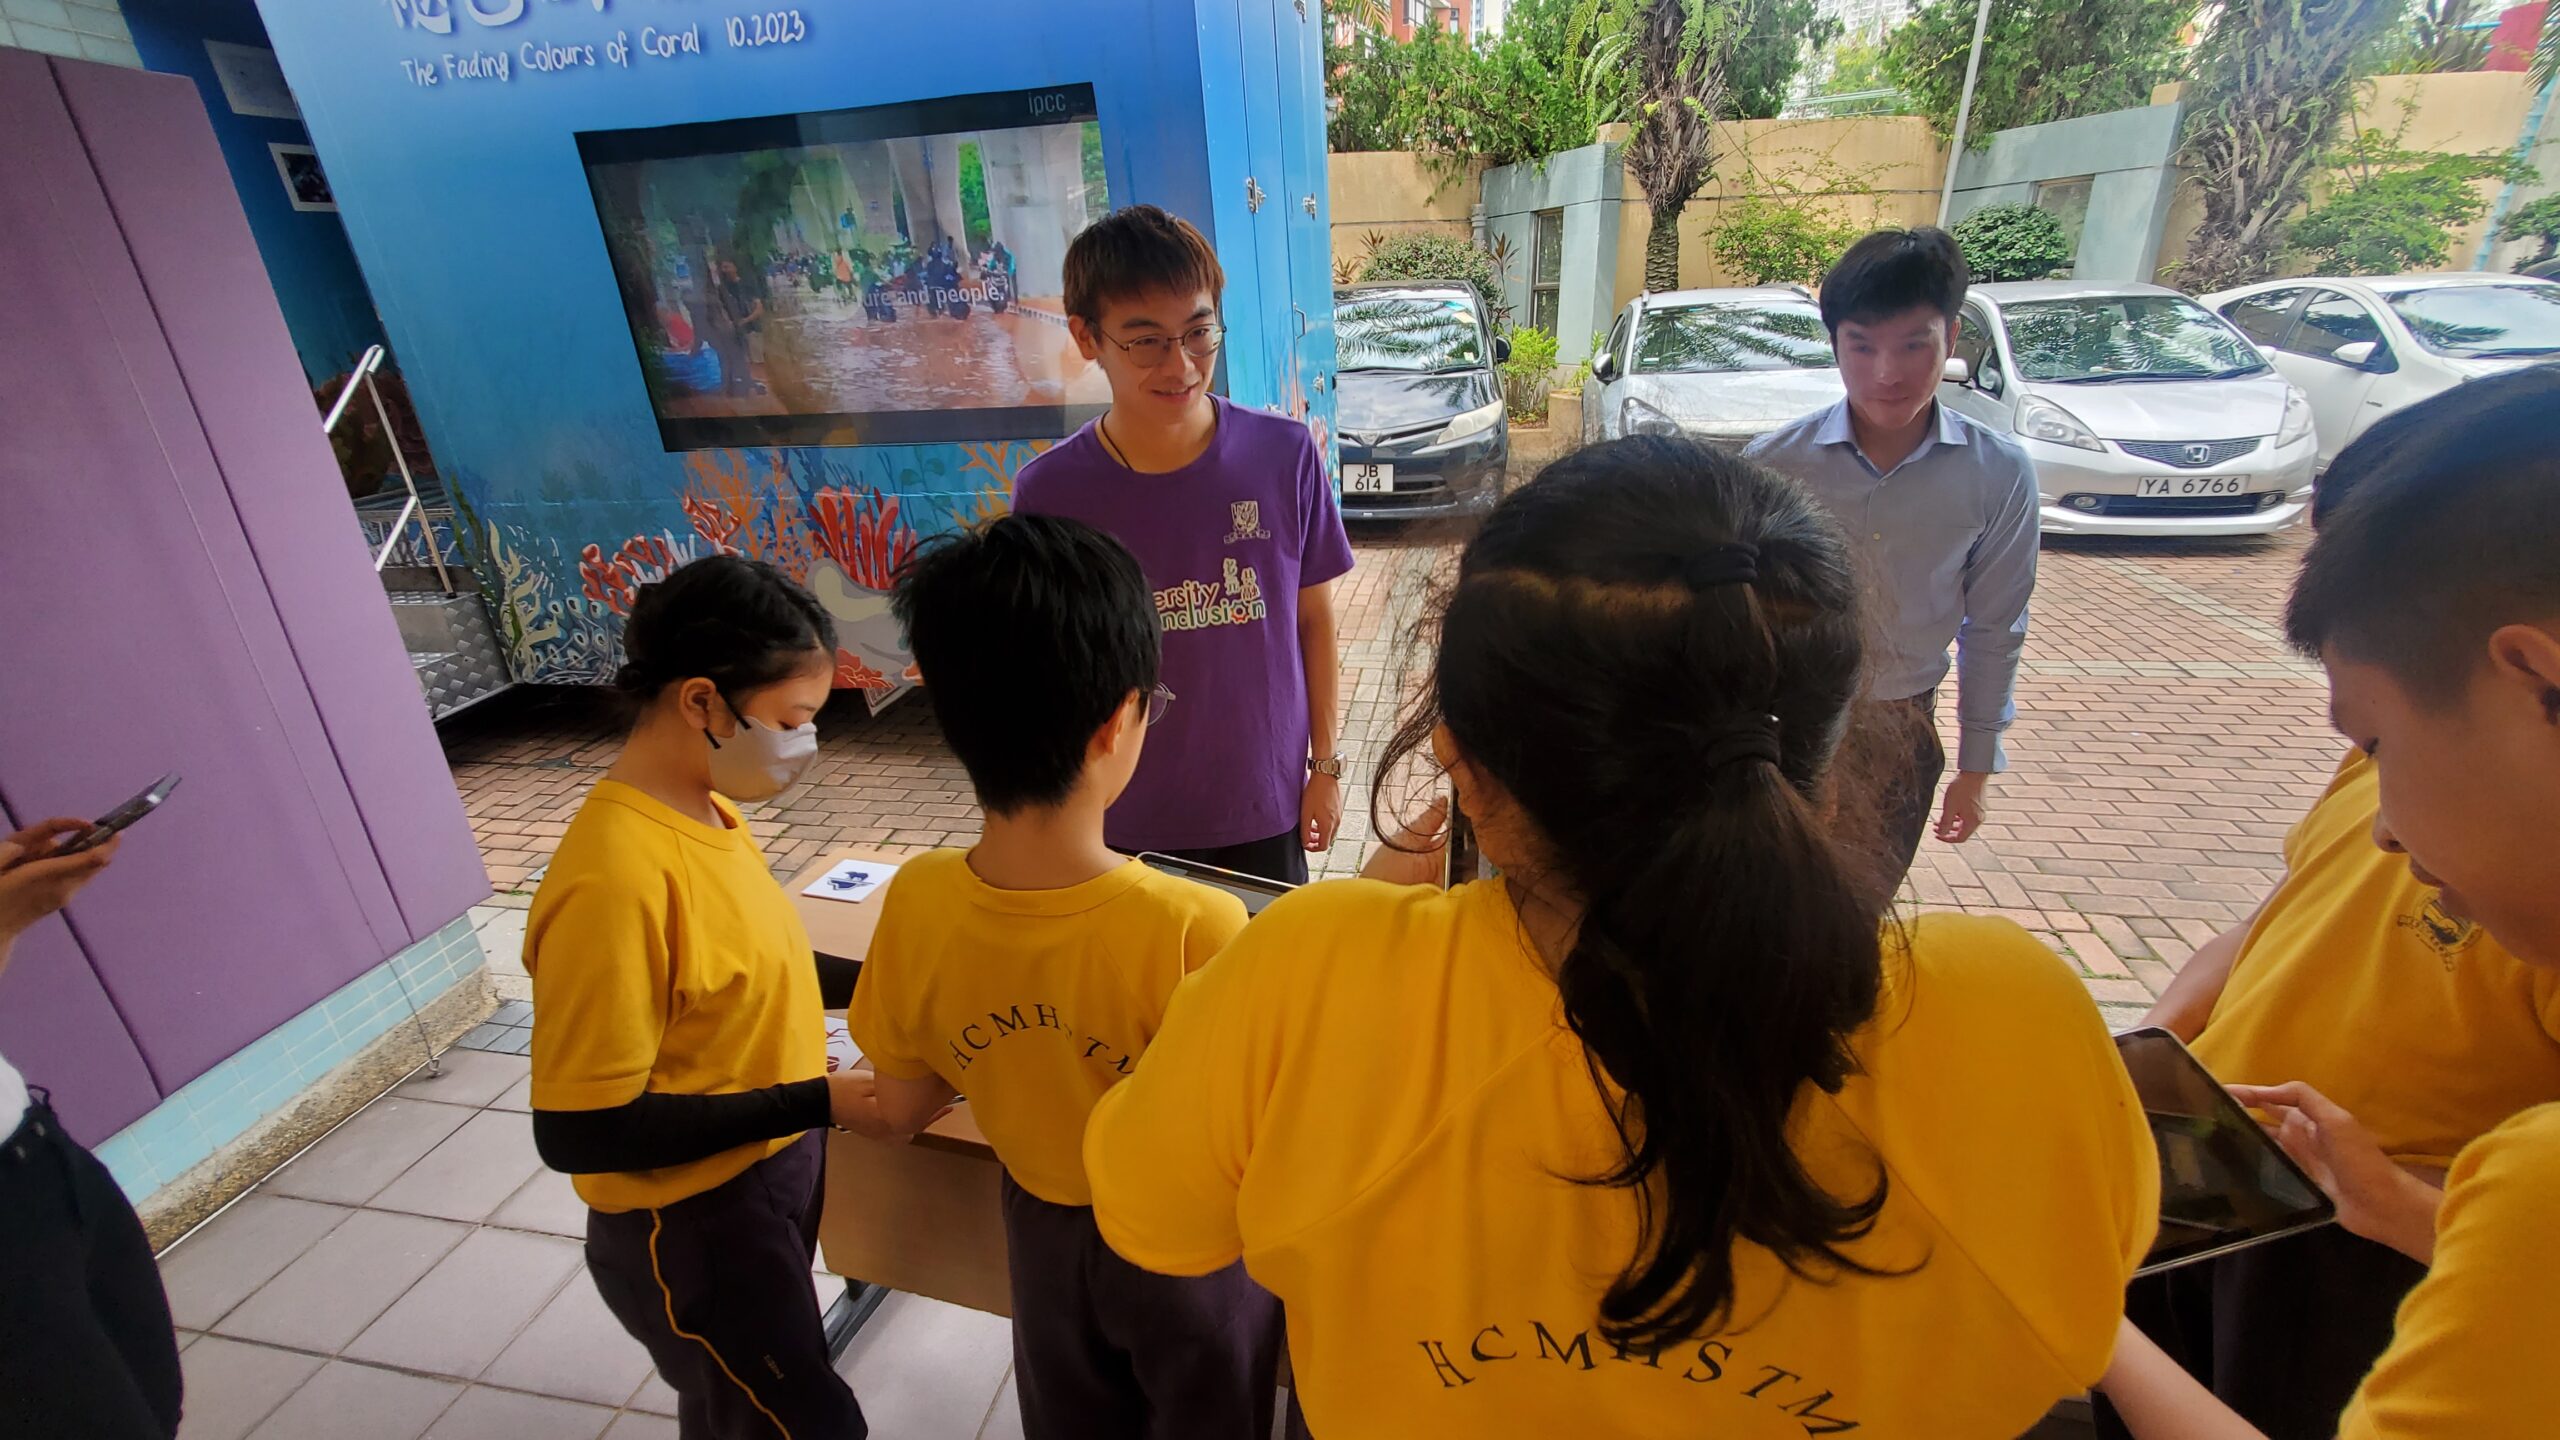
1233	518
1032	970
2356	979
2432	598
1942	511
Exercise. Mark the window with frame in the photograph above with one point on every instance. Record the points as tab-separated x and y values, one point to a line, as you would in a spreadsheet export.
2329	322
2262	317
1546	270
1974	347
2067	201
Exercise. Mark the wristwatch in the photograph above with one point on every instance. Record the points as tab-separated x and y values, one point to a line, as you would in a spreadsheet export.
1329	765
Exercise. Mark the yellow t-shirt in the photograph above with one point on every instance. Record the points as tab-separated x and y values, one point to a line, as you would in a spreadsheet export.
2470	1353
1372	1099
1030	1002
2356	981
664	958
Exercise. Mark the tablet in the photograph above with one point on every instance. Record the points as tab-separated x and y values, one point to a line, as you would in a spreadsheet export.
1253	890
2224	1183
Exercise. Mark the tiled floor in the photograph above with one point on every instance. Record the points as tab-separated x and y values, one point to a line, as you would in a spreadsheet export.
418	1273
2165	740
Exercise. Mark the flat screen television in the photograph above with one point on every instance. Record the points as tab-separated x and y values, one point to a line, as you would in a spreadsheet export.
882	276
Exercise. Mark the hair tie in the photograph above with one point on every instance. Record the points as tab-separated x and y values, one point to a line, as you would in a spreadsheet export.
1742	735
1737	563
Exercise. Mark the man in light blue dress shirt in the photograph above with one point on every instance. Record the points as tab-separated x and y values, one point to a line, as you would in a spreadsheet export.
1942	512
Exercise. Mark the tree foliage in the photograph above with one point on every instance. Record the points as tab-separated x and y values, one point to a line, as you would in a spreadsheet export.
2272	79
2042	60
1761	241
2390	210
2431	39
1678	52
1772	40
1432	255
2535	220
2013	242
1522	97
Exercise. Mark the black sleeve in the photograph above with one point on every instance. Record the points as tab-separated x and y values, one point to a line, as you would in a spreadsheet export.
836	975
659	1130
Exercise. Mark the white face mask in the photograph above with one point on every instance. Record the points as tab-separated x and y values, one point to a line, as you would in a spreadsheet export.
760	761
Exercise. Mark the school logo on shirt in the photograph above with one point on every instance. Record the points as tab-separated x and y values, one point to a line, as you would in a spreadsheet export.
1235	599
1248	526
2440	931
978	1037
1709	1362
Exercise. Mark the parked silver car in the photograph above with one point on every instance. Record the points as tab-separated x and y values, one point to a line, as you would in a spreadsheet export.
2365	347
2144	412
1725	366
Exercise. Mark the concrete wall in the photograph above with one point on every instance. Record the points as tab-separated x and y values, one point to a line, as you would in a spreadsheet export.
2127	155
1865	170
1588	185
1388	192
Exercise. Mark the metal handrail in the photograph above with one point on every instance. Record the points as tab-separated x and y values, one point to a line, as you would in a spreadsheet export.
364	373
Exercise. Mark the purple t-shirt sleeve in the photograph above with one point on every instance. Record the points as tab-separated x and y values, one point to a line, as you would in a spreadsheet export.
1325	548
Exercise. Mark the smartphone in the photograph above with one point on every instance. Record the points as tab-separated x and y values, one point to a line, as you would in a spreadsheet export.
1466	862
2224	1182
107	826
1253	890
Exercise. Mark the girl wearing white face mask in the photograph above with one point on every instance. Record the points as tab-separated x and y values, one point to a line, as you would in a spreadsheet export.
679	1037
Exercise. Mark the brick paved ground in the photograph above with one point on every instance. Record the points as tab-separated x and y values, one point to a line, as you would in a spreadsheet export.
2166	739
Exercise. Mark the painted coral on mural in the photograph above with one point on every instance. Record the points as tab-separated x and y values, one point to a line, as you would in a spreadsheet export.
840	521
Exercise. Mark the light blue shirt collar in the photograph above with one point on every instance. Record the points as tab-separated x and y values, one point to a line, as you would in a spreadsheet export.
1834	429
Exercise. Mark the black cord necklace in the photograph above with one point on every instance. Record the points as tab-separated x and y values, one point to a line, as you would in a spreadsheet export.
1102	430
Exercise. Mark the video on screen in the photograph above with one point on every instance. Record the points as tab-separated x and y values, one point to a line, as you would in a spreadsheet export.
886	275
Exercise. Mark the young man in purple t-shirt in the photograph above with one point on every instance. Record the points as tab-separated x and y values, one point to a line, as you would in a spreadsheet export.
1233	518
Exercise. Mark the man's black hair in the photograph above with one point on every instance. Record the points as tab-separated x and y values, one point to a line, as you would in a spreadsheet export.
1890	271
2452	530
1029	632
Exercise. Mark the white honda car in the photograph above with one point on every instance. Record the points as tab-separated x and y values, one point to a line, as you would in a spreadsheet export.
2365	347
2144	412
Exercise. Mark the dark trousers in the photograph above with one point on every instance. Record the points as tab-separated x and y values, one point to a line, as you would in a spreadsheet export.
86	1348
1911	791
1105	1350
1282	857
716	1287
2282	1332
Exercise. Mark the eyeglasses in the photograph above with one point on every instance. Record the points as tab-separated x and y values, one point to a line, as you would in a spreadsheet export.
1154	350
1159	700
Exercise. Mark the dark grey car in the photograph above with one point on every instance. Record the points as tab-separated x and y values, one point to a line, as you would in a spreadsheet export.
1419	411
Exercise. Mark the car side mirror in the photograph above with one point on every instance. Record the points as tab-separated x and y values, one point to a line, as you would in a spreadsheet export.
2358	353
1957	372
1604	366
1501	349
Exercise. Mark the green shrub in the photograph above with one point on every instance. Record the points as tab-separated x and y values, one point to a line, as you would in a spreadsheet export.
2535	220
2013	242
1529	373
1431	255
1761	242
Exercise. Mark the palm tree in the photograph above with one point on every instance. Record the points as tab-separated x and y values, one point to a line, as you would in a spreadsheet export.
1678	51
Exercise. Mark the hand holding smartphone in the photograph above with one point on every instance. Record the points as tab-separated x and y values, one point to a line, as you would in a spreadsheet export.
115	821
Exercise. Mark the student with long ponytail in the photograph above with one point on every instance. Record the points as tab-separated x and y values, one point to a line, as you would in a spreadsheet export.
1668	1131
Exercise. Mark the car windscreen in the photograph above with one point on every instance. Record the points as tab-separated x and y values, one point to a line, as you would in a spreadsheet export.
2480	322
2098	338
1690	339
1412	333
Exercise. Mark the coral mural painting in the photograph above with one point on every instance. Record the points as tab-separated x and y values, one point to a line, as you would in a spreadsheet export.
839	521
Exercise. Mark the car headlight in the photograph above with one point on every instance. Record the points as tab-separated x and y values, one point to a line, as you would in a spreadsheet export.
1466	427
2046	421
2297	417
1637	418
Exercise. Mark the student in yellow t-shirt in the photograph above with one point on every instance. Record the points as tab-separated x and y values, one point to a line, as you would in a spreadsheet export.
1657	1135
2432	599
1032	973
2354	979
679	1039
